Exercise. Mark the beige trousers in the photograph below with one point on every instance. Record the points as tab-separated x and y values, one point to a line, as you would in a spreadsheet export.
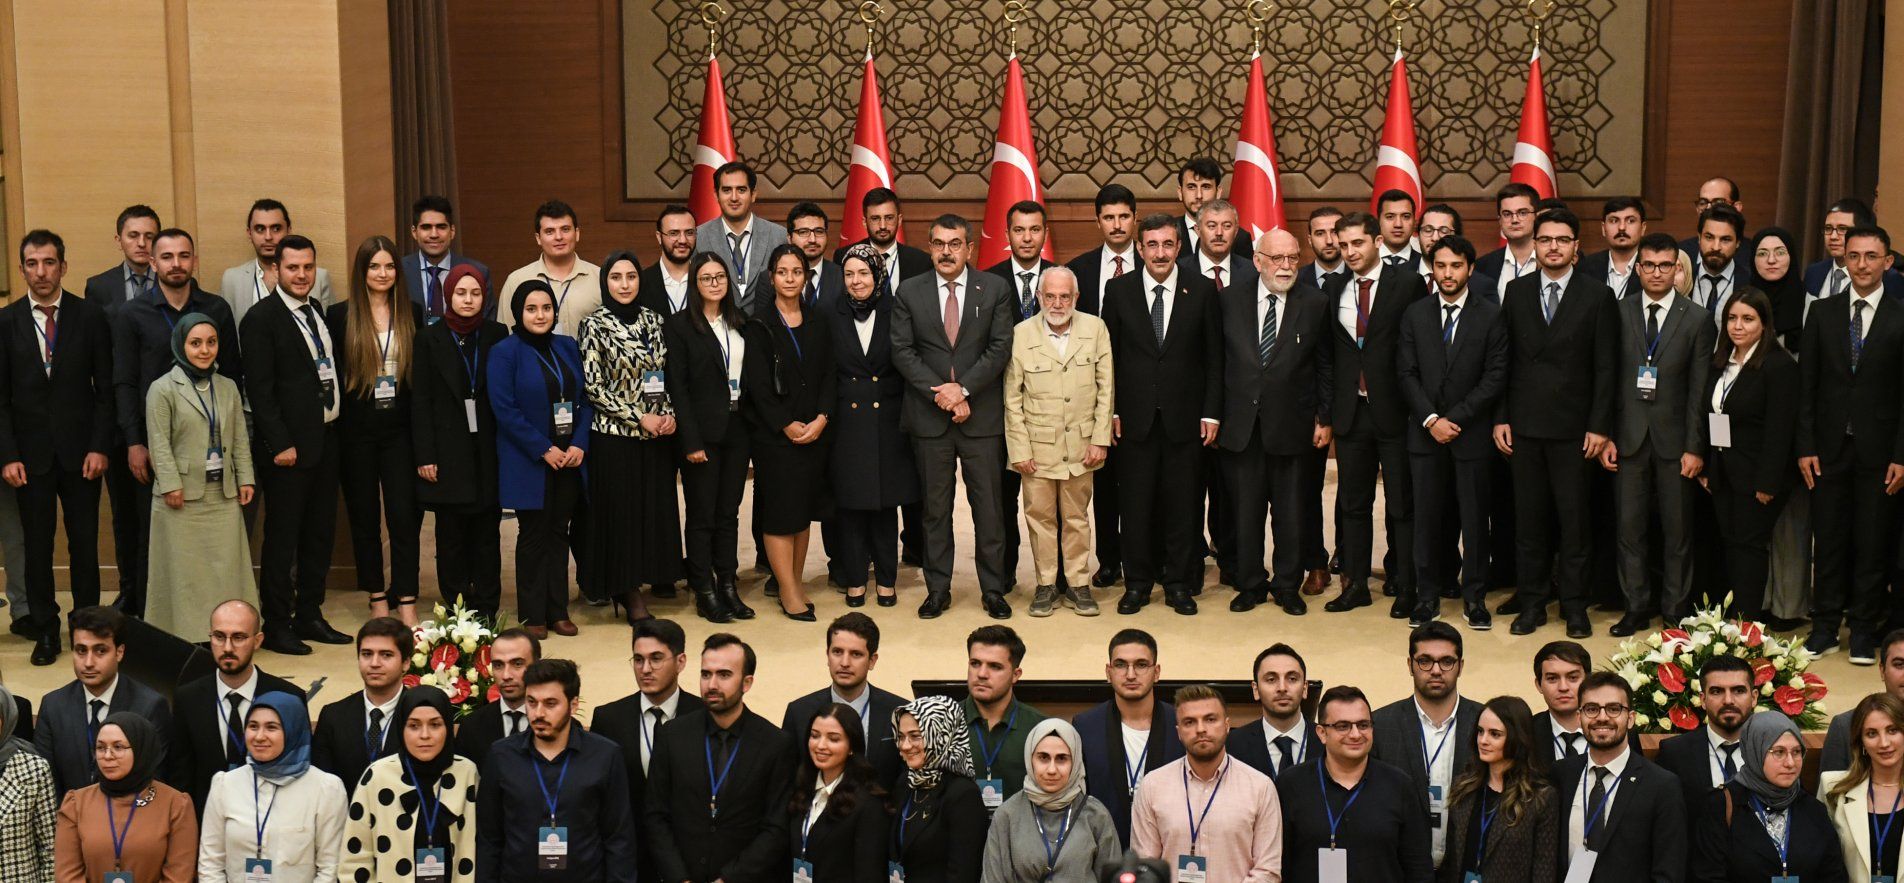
1049	501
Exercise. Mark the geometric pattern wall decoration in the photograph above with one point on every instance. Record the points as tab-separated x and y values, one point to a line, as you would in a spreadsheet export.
1123	90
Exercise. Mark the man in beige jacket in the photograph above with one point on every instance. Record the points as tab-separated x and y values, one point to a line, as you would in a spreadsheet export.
1057	432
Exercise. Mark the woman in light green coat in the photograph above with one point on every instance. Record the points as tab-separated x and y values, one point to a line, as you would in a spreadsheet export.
201	479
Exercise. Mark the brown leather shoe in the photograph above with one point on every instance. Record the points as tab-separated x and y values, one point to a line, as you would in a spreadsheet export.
565	628
1316	582
541	632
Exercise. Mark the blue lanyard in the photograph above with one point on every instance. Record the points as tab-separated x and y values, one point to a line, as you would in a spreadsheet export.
1879	836
51	341
560	297
806	822
258	812
1593	815
797	354
1784	842
317	341
1196	821
1052	851
430	805
990	752
714	783
119	837
1487	821
555	367
549	800
1335	819
905	815
1654	346
470	351
1428	765
210	411
727	347
225	724
1134	771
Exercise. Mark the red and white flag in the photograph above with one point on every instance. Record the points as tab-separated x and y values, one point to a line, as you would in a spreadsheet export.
1534	148
871	165
714	147
1256	190
1397	163
1014	170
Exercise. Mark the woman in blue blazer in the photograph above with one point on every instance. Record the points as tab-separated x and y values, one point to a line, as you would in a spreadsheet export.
535	389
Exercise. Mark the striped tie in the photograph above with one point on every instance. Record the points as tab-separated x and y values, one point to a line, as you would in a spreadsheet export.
1267	344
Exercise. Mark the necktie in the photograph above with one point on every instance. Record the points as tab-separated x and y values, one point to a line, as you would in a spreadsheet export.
723	745
654	726
1730	764
234	725
1857	332
1838	281
740	257
1447	325
951	313
1286	747
1394	260
141	283
1157	313
99	713
1652	326
1216	273
1712	292
515	723
1117	266
1596	801
50	336
1573	743
373	737
813	291
1267	344
1027	301
1551	304
1363	288
433	293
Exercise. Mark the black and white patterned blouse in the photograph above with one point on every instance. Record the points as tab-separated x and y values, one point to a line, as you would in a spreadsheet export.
615	356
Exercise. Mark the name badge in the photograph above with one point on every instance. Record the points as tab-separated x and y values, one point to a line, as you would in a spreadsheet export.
1332	865
1434	806
1471	877
992	791
1719	430
1581	869
802	871
430	867
469	413
384	394
1792	878
1648	383
895	872
118	877
733	393
1883	878
564	416
214	465
552	848
257	870
654	387
1193	869
326	378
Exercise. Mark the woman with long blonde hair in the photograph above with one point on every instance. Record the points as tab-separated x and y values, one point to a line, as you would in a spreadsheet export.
1863	801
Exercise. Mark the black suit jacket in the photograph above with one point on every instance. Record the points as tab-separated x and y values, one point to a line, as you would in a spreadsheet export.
107	290
1642	842
439	425
1743	850
1178	383
1285	399
1087	267
1236	268
653	292
65	736
943	836
697	381
1398	738
1760	408
844	847
1597	265
1241	245
142	352
760	292
1867	401
1561	376
339	747
881	751
1688	756
1008	271
287	399
1249	743
1374	360
748	840
53	422
481	730
1106	766
359	411
195	749
620	720
1462	382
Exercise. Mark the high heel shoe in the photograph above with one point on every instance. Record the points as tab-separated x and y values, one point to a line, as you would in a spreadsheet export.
886	600
632	608
858	600
805	615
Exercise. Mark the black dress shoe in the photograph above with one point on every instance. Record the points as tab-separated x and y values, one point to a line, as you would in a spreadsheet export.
996	606
1403	605
1107	577
708	606
729	593
1478	618
1246	601
46	649
1424	614
1511	606
1132	601
1578	626
1351	598
320	631
1527	622
1291	602
1181	602
23	628
1631	623
934	604
287	644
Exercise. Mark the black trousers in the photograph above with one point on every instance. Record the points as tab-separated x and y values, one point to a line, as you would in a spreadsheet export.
379	479
1160	489
1853	526
1745	524
912	531
1550	488
131	527
1503	543
1443	482
1314	471
43	499
1274	488
713	491
1008	487
868	537
1104	514
469	559
542	550
1361	455
300	528
1218	517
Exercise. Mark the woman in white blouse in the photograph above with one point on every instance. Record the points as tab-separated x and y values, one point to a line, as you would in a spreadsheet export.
276	814
1865	801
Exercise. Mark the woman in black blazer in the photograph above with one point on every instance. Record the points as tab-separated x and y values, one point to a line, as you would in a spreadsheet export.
376	462
838	819
1503	815
1753	393
938	835
1762	825
790	390
454	434
707	346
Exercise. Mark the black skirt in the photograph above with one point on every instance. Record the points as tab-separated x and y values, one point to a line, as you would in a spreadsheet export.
791	487
634	523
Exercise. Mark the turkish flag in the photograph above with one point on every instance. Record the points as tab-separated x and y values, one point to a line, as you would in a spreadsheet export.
1255	189
1014	170
714	147
1397	162
1534	148
871	165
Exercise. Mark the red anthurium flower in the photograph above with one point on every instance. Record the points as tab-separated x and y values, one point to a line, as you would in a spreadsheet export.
1682	717
411	680
1751	634
1672	677
445	654
1790	701
482	660
460	692
494	693
1814	687
1674	640
1762	672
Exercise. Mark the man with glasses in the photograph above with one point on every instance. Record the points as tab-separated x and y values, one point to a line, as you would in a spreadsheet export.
664	283
1132	733
660	655
1279	682
1204	814
1716	192
1563	341
1626	818
1623	225
208	718
1439	221
1430	735
1514	205
1348	816
1828	276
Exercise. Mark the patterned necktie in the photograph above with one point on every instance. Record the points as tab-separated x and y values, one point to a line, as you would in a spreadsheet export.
1157	314
1027	301
1117	266
1857	332
1551	304
373	735
1267	343
433	293
49	335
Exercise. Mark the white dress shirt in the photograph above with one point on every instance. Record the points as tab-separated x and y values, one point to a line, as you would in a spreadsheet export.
1616	275
1870	300
892	268
520	707
1345	303
1107	266
1190	231
1298	734
822	792
733	346
1019	270
1716	755
1577	814
1268	300
104	697
1407	250
322	330
676	289
1704	293
1512	269
1207	268
669	708
1560	735
1169	295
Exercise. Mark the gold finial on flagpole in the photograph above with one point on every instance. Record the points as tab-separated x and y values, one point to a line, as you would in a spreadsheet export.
712	14
869	14
1015	12
1258	12
1399	11
1537	12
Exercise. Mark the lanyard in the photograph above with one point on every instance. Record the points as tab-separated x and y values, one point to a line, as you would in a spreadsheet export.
470	351
1879	836
430	805
51	342
258	812
1196	821
317	342
1428	765
555	367
727	348
1335	820
1720	762
990	752
1134	771
225	724
560	297
797	354
905	815
1784	841
806	821
549	800
1302	744
1593	815
1487	821
714	783
383	343
1052	851
119	837
1654	346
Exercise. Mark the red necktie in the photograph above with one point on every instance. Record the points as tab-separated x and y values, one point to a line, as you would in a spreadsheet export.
1217	274
1362	291
51	335
1117	266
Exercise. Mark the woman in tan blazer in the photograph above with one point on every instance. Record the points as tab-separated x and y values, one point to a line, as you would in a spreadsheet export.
129	821
1864	802
1057	431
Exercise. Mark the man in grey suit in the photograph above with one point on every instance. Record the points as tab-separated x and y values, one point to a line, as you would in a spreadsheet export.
433	229
739	237
70	716
951	339
254	280
1659	438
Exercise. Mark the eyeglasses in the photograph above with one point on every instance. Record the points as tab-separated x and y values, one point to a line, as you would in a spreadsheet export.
1658	266
1545	241
904	739
1516	214
1342	728
1598	710
103	750
1283	260
947	244
1836	229
713	279
1766	254
1438	231
1430	663
1792	754
1141	666
1702	203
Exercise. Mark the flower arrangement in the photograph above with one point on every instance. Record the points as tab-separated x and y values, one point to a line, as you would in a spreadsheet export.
1663	670
452	654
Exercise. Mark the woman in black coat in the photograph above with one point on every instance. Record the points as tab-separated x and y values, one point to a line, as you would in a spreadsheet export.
454	433
1762	825
837	820
1753	393
872	467
938	835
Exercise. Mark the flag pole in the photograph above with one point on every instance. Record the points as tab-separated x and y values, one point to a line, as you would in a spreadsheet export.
712	13
1258	12
869	14
1399	12
1014	13
1537	12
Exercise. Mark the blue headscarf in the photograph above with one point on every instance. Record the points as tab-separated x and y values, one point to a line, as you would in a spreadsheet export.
296	723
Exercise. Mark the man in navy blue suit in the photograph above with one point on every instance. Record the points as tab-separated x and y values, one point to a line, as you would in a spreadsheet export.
433	229
1827	276
1130	735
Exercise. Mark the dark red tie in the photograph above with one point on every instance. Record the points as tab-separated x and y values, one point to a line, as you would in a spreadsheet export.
1362	290
1117	266
52	334
1217	274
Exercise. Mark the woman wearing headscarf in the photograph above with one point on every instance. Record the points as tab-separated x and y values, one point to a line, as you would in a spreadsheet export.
416	807
202	479
872	466
542	432
939	834
26	802
277	813
1787	595
634	525
1051	830
1762	825
128	822
837	819
454	431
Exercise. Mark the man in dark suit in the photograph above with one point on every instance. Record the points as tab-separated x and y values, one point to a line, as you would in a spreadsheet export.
208	718
133	277
292	380
1637	831
722	776
1514	205
1660	438
1563	334
1276	382
1623	225
1279	682
1717	271
951	339
1025	233
1116	212
1717	192
634	721
55	428
885	224
1132	733
1560	669
664	283
1434	223
70	716
1827	276
1430	734
357	729
1851	446
1710	755
1199	181
1216	259
1327	249
1318	274
1452	364
510	654
1395	222
433	229
131	280
852	650
1370	418
1166	341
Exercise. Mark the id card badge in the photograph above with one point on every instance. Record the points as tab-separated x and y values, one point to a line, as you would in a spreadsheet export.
802	871
1332	865
430	867
1471	877
384	394
469	413
552	849
1580	870
992	791
1193	869
1648	382
654	387
1719	430
733	394
564	414
118	877
895	872
1434	806
1883	878
257	870
1790	878
214	465
327	378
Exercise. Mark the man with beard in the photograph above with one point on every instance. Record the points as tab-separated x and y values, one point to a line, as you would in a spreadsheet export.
1350	816
1279	682
1623	225
208	720
884	219
510	654
1720	192
999	722
355	730
1130	735
1438	222
1430	735
660	654
1233	828
1514	205
1717	274
720	777
433	229
1625	815
664	283
1709	755
852	651
740	237
245	285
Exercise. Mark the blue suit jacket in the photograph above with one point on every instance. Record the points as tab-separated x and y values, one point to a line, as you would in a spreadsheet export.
1817	271
412	266
1106	776
525	423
